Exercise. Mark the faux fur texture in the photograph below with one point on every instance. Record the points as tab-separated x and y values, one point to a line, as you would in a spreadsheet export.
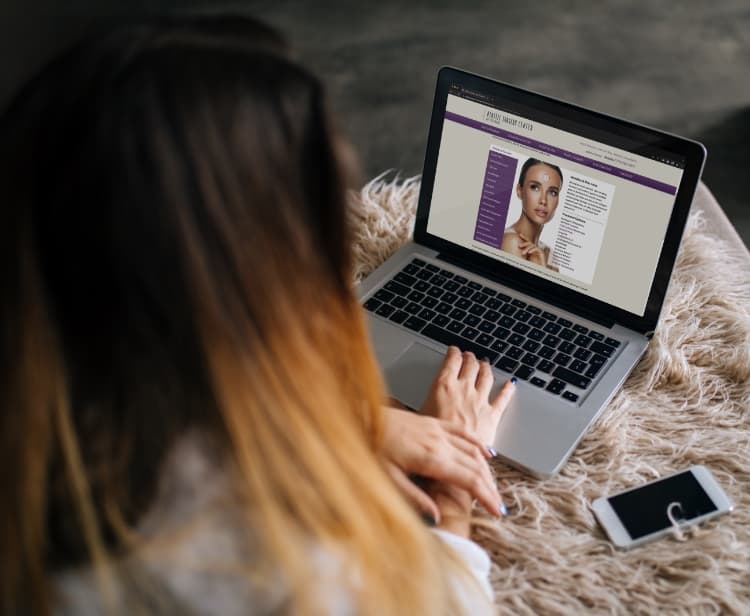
687	402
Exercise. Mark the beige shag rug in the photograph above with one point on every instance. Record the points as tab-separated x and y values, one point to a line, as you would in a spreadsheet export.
688	402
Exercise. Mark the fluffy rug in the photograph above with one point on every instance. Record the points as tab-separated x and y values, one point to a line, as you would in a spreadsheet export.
687	402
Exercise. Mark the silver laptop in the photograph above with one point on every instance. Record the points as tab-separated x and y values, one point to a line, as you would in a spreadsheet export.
544	241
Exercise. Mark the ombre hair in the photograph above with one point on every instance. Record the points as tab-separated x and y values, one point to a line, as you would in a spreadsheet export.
175	257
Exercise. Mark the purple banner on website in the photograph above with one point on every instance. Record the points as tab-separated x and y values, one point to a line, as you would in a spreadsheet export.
566	154
493	205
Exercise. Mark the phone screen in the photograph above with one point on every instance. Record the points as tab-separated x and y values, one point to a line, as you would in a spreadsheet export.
644	510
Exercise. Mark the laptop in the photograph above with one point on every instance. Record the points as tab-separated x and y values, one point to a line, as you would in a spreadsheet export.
544	240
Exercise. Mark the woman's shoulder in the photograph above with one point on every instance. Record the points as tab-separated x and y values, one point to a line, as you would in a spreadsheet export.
511	239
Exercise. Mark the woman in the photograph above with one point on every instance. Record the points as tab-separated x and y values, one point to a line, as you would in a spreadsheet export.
538	188
191	417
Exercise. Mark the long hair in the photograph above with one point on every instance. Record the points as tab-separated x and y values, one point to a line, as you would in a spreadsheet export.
175	256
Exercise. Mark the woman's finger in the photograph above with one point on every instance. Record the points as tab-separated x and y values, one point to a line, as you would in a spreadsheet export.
502	398
452	363
469	367
485	379
468	437
421	501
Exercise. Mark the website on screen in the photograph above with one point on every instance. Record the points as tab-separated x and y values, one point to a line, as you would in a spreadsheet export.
584	214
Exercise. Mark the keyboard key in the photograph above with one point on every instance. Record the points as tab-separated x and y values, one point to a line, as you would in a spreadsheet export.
536	334
438	280
596	335
503	296
399	316
537	381
373	304
583	341
561	359
602	349
464	303
552	341
530	359
530	345
598	360
429	302
455	326
489	291
435	291
469	333
422	285
493	303
491	315
567	348
478	310
523	315
450	297
582	354
441	320
612	342
448	338
546	352
552	328
397	288
399	302
514	352
580	329
460	279
415	296
486	326
405	279
567	334
564	322
592	371
506	322
571	377
427	314
533	309
385	310
519	303
516	339
451	285
474	285
508	309
446	273
479	297
521	328
411	269
546	366
384	296
537	322
569	395
443	308
415	323
578	366
507	363
465	291
413	308
549	316
485	340
499	346
471	320
432	267
418	262
524	372
501	332
556	386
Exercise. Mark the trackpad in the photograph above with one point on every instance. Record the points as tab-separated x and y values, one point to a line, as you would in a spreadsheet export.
410	376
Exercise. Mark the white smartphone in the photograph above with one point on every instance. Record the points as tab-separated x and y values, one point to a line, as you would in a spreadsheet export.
649	511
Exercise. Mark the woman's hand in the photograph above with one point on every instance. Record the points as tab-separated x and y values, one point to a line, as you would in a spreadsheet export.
531	251
436	449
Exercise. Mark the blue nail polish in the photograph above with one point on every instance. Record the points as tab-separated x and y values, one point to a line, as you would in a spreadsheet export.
493	453
428	519
513	380
504	510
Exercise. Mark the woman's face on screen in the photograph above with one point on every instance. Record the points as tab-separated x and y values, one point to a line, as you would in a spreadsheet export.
540	193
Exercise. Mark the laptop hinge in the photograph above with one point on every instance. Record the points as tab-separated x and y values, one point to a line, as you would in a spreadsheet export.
527	289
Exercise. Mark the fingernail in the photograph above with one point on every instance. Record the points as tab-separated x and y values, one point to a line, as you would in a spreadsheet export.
493	453
513	380
428	519
503	510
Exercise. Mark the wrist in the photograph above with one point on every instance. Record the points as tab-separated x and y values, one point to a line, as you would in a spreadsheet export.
455	507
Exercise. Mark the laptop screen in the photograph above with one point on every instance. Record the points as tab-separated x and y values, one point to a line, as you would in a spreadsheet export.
570	204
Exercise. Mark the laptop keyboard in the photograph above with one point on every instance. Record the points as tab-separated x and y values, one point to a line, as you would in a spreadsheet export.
533	344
